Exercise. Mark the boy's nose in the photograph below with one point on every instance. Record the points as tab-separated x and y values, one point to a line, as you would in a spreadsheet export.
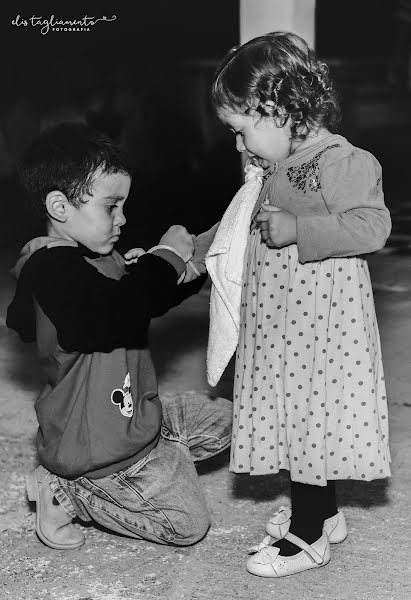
121	220
239	144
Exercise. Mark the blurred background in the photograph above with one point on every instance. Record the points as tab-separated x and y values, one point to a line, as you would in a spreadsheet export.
144	79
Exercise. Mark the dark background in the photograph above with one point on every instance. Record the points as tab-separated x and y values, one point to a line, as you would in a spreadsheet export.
144	79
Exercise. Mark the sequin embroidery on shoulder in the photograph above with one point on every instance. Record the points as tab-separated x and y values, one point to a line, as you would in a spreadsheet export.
306	175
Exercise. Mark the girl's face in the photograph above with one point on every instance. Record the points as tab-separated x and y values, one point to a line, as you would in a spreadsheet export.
259	136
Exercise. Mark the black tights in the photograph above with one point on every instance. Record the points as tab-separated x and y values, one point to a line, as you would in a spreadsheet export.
311	505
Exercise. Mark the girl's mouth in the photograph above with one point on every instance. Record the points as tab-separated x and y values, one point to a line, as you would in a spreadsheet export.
260	162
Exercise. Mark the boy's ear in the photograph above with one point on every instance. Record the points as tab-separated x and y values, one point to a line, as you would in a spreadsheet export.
57	205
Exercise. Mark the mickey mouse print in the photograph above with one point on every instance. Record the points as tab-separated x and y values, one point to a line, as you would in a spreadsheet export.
123	398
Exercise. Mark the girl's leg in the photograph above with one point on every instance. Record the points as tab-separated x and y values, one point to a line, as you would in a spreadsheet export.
311	505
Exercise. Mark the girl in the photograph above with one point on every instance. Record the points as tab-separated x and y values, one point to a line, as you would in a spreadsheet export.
309	393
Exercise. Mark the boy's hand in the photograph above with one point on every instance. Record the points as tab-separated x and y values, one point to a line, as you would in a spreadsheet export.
133	255
278	227
177	237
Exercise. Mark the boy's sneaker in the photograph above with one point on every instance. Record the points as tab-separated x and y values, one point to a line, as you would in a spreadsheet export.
53	525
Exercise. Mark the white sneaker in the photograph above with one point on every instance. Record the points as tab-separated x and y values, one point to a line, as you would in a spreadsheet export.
267	562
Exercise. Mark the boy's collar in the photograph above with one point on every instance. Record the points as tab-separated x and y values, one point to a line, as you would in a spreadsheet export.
87	252
52	238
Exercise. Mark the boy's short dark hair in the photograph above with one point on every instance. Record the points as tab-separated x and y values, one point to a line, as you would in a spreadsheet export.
65	157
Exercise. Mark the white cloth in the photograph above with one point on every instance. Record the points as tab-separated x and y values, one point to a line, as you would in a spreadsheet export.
225	265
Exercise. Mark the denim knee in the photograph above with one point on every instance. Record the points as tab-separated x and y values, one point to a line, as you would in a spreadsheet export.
192	530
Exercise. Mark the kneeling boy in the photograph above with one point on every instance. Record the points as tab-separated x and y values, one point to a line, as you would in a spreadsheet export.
109	449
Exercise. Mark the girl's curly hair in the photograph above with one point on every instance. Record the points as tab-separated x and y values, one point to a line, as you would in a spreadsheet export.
279	76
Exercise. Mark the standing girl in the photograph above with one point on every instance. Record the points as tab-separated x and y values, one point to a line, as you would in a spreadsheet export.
309	393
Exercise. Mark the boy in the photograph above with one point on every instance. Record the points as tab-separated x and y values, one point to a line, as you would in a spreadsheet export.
109	450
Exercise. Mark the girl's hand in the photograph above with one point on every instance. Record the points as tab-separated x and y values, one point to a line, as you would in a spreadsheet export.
191	272
278	227
178	238
133	255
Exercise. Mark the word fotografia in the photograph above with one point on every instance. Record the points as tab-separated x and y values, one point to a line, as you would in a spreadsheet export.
54	24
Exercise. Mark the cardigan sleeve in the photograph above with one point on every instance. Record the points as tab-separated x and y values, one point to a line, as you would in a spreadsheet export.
358	221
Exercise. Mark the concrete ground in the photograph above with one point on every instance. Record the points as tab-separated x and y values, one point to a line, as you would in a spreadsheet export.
370	565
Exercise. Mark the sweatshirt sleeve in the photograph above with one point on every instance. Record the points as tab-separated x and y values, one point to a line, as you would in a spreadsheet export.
358	221
92	312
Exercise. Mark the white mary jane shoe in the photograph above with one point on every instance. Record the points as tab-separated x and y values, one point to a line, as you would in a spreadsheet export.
267	562
279	524
335	527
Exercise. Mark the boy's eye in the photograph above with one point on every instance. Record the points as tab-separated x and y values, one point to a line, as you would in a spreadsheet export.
111	207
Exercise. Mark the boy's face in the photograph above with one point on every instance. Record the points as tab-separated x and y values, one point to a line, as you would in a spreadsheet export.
96	223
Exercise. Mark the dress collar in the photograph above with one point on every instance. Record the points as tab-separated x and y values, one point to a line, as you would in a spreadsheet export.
299	153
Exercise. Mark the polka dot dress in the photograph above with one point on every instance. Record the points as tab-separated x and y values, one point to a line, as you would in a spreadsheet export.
309	392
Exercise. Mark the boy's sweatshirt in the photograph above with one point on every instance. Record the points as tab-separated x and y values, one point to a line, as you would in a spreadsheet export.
99	411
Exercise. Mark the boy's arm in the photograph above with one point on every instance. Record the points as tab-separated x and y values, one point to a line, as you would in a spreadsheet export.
92	312
189	288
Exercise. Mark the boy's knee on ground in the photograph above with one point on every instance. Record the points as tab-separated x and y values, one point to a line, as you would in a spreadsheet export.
193	529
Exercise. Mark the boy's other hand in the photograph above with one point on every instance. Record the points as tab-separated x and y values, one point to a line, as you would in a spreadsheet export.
133	255
177	237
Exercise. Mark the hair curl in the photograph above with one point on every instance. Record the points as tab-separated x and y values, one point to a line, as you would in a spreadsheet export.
278	76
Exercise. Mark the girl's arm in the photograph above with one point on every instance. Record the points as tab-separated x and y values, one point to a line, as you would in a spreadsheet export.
358	221
202	243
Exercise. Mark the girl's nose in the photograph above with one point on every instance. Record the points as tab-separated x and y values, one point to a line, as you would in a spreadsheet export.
239	144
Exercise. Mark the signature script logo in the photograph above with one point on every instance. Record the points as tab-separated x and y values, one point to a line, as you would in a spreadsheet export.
52	23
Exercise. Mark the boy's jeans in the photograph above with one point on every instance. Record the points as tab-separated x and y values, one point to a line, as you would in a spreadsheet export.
159	498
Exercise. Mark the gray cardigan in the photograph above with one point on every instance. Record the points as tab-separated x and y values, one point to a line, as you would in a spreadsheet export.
335	191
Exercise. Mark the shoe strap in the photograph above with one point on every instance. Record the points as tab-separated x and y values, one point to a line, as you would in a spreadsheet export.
304	546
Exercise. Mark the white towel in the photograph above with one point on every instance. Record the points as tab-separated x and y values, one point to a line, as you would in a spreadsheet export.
225	263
